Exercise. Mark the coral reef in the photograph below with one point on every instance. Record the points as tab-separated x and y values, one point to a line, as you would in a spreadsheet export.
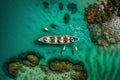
115	3
118	14
99	13
60	66
104	22
36	73
66	18
43	72
13	65
72	7
102	12
56	69
77	67
13	68
91	15
78	76
78	71
114	27
30	58
100	35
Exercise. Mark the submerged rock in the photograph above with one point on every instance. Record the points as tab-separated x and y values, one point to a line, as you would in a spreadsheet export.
72	7
30	58
61	69
78	76
116	3
33	61
77	68
113	27
102	42
66	18
12	66
104	22
58	66
118	12
77	71
101	35
109	37
100	13
95	31
45	4
91	15
60	6
54	26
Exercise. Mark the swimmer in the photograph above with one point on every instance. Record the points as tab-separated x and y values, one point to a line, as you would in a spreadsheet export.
76	48
64	47
46	29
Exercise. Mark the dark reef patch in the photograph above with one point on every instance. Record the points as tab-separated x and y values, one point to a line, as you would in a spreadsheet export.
45	4
54	26
23	55
11	66
30	58
118	11
59	65
99	17
60	6
100	13
72	7
14	64
66	18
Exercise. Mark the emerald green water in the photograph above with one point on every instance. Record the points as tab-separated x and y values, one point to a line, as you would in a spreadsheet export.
21	24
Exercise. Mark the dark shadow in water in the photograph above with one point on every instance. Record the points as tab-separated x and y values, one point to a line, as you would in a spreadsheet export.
45	3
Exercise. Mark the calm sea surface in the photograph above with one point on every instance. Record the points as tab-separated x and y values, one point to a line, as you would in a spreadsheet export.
21	23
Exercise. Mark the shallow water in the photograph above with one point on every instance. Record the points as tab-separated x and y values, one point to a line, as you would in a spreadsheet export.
21	24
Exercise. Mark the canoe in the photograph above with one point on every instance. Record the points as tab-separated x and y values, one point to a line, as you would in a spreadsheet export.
58	39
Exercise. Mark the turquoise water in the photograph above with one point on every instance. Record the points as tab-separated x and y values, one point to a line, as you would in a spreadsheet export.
21	24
